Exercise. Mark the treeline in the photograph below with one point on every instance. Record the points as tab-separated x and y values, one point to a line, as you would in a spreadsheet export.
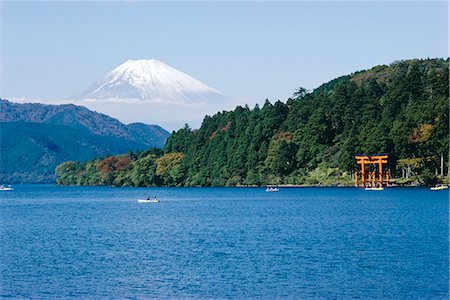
145	168
401	109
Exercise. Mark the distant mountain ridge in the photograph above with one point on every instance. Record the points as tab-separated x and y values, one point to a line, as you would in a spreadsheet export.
150	80
35	138
79	117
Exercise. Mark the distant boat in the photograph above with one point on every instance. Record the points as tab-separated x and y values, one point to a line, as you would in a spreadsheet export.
3	188
439	187
271	189
373	188
148	200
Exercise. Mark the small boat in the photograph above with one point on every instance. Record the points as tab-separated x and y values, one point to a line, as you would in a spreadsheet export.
148	200
271	189
3	188
439	187
374	188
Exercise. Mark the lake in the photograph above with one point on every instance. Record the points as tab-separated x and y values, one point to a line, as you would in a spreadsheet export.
203	243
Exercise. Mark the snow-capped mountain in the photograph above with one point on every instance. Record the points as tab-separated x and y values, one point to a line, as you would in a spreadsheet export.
151	80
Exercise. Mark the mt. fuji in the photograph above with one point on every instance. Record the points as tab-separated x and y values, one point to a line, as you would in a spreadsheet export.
151	80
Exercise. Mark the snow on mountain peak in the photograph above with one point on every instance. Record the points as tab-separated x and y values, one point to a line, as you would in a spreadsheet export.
150	80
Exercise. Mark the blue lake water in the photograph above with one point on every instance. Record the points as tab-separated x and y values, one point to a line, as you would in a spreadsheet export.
98	242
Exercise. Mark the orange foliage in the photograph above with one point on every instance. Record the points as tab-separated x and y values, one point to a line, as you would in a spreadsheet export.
420	134
213	135
287	136
122	163
113	163
226	127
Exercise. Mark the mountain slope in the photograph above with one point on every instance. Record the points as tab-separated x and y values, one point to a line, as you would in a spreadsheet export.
148	134
79	117
35	138
29	152
150	80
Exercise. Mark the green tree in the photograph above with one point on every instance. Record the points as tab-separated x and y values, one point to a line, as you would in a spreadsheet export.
169	168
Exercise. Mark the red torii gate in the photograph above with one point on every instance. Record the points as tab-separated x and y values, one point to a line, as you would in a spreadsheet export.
371	178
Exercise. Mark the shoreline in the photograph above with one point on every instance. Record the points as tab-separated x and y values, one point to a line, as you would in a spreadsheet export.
236	186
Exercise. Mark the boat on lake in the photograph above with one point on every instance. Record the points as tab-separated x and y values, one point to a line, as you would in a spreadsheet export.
439	187
272	189
3	188
155	200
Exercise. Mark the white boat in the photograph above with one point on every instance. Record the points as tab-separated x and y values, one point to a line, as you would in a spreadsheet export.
148	200
374	189
271	189
3	188
439	187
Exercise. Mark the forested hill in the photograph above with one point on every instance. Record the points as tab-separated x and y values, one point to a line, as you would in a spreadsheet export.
400	109
35	138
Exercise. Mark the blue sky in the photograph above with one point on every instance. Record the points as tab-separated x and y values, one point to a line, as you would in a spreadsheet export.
254	50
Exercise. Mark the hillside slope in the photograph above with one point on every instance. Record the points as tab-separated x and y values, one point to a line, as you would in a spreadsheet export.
29	152
35	138
400	109
79	117
152	135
